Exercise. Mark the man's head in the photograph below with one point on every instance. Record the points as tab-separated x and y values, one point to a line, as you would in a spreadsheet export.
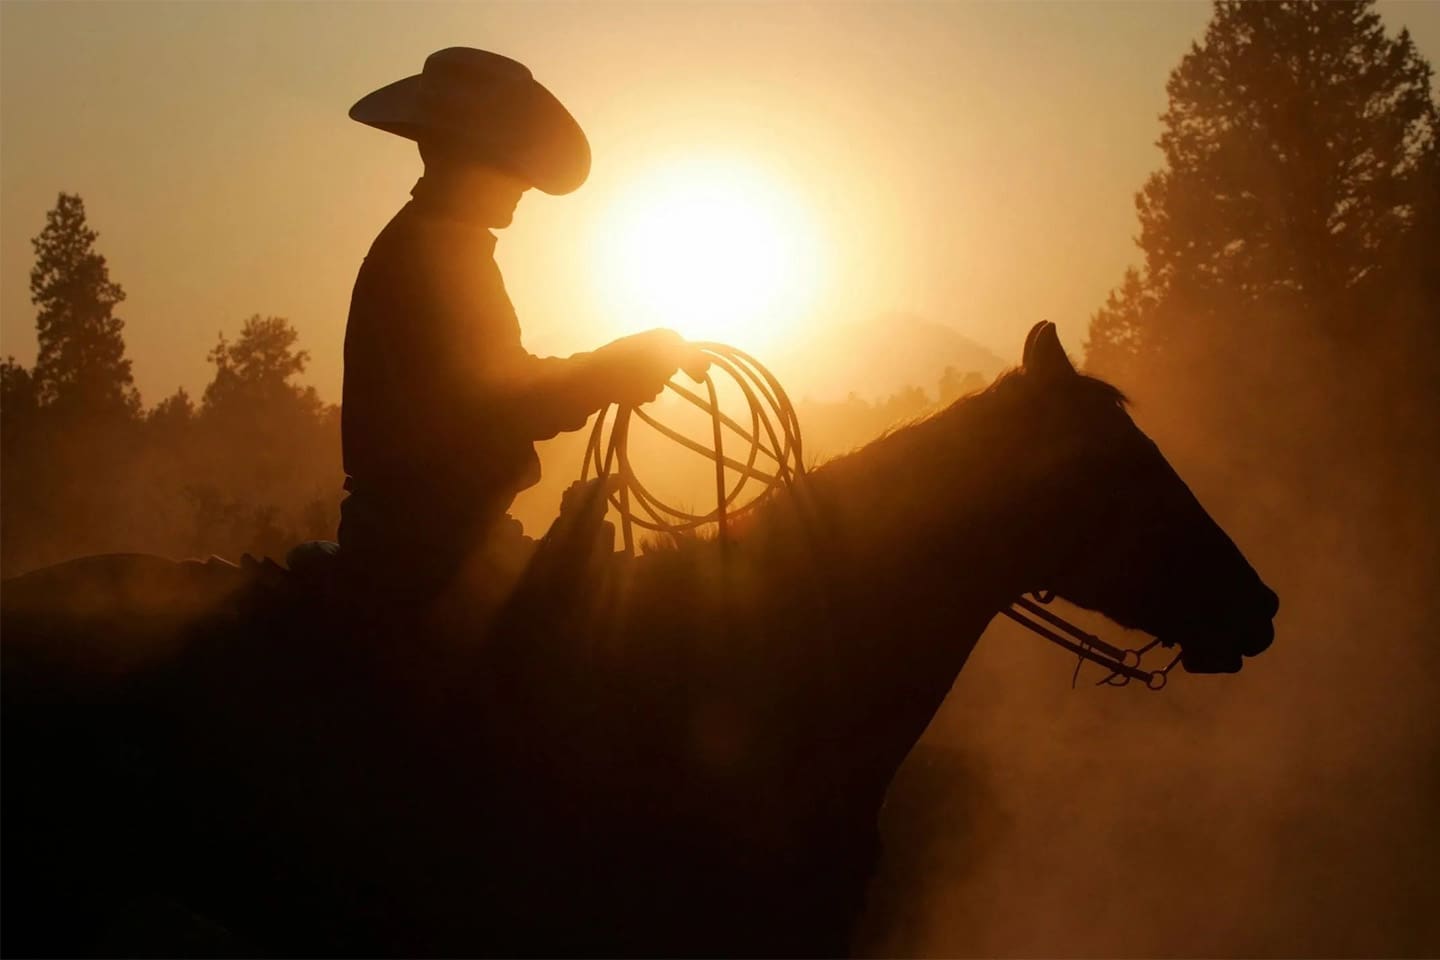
489	192
482	109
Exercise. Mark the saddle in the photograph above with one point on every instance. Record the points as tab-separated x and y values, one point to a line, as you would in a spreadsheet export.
566	563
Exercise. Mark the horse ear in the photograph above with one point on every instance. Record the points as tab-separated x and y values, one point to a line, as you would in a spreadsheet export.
1030	343
1044	355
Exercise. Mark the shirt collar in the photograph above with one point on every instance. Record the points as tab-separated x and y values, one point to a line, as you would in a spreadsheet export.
433	200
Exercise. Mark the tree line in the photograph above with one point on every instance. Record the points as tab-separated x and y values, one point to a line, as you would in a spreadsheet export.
253	467
85	468
1285	318
1283	327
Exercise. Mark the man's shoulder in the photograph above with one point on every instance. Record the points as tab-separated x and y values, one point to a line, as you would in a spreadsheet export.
402	232
415	234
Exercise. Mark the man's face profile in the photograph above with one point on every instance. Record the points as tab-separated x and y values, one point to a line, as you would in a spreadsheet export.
475	184
501	189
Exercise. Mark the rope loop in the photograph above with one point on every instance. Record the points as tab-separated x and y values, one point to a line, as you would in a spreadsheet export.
772	455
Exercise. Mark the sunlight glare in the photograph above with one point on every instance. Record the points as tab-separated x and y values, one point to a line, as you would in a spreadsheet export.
714	249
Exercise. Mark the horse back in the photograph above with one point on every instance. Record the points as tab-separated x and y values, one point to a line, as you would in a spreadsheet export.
85	627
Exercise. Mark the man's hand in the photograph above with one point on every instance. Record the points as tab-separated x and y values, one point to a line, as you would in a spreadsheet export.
641	364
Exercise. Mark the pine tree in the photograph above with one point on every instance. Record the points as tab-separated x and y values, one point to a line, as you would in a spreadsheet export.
1300	181
81	367
172	415
270	437
18	403
252	374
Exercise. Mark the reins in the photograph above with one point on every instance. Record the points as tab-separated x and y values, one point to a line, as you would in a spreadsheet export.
773	419
1122	662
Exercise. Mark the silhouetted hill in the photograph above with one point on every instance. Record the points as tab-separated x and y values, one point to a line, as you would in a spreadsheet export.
882	356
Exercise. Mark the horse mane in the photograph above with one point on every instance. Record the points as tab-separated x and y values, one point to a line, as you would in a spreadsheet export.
990	418
1005	385
1001	409
1082	383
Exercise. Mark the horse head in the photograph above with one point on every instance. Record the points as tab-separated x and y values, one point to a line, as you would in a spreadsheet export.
1137	545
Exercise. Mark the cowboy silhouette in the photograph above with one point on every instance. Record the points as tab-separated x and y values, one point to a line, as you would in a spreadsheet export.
442	405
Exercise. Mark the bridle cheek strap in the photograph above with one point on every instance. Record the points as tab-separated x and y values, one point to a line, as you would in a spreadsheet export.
1124	664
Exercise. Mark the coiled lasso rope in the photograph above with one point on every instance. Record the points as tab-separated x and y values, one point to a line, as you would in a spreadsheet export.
774	433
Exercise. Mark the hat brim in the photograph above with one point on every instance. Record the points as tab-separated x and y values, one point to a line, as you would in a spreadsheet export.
553	157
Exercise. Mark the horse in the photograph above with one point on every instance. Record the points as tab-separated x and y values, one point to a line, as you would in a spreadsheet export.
681	753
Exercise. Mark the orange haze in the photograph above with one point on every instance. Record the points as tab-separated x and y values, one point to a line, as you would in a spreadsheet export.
972	164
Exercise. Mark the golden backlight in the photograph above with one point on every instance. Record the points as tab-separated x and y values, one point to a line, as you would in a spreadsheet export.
713	248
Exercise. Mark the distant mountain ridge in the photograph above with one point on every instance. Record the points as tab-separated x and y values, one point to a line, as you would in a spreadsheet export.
881	356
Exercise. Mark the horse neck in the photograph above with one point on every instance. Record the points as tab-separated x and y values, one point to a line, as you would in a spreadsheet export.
924	536
940	503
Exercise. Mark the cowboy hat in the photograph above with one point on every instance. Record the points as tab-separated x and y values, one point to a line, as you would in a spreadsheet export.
493	108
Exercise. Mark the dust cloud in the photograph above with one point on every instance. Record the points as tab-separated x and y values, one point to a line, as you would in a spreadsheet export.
1288	810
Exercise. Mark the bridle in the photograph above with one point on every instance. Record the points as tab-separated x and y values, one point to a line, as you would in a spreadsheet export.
773	419
1124	663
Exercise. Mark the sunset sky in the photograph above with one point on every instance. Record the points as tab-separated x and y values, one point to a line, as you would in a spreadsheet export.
971	163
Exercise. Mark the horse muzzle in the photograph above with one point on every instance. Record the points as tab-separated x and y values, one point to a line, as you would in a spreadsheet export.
1222	648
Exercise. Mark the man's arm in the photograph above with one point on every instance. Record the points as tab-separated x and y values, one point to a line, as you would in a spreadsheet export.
475	338
551	395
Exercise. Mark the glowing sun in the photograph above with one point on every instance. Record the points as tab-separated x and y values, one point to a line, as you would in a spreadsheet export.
714	249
